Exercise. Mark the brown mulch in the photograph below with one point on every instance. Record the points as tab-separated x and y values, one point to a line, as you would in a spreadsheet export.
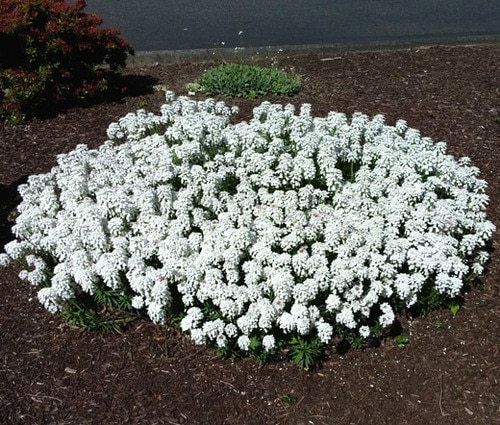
51	373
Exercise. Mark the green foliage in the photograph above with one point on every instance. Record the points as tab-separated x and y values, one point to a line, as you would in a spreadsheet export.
258	352
454	307
211	311
78	313
53	53
289	399
113	298
356	341
106	309
376	330
306	353
350	338
401	341
225	352
439	324
142	104
349	169
238	80
229	184
430	299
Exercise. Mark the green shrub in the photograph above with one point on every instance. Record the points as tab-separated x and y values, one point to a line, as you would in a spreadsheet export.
237	80
52	53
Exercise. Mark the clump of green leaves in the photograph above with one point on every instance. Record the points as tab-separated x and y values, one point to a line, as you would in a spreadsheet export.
439	324
258	352
306	353
401	341
142	104
238	80
79	314
289	399
105	310
454	307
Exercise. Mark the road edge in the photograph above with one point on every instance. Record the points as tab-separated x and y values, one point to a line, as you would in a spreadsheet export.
155	57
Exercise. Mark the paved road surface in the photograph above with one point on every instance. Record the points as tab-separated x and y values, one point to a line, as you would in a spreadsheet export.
192	24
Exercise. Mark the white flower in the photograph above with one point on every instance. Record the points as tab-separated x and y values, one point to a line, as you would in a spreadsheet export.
268	342
364	331
137	302
346	317
192	319
4	260
325	331
231	330
221	341
198	336
48	297
244	342
333	302
387	316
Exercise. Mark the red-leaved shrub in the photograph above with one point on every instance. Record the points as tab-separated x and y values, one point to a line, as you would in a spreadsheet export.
53	52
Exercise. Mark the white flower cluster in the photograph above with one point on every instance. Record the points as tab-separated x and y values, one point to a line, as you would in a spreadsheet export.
285	224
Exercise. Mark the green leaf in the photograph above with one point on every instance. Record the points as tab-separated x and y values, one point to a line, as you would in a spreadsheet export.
439	324
401	341
454	308
289	399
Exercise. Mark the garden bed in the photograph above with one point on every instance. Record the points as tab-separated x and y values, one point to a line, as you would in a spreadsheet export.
52	373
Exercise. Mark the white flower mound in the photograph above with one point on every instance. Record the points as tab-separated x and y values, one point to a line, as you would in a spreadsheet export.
286	224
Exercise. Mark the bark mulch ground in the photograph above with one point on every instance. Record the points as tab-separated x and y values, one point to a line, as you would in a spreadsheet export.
51	373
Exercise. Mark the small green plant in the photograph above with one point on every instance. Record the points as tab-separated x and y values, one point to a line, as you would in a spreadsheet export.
106	309
429	299
258	352
454	308
225	352
356	341
193	87
238	80
401	341
289	399
306	353
113	298
143	103
439	324
79	314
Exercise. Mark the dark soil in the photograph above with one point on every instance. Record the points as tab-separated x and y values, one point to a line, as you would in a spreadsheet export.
51	373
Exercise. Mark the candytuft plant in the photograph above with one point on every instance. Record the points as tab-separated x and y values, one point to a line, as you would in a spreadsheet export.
283	232
238	80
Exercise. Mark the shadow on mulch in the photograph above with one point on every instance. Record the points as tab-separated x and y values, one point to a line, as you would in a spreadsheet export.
121	86
9	199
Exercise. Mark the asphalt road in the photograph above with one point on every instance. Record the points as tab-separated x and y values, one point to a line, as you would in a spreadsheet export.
192	24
